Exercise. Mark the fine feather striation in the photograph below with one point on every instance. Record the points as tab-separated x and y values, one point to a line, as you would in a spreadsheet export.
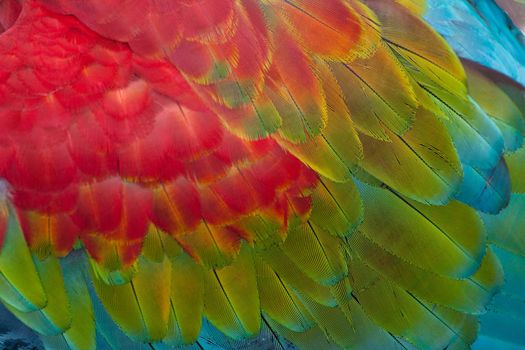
245	177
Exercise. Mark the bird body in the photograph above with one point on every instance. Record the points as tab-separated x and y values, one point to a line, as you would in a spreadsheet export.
253	173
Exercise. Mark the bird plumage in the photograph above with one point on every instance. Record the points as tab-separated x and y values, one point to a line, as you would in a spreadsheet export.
253	173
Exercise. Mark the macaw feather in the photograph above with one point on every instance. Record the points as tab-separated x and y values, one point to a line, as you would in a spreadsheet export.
433	158
322	257
82	332
231	300
254	174
279	301
469	295
368	93
20	283
420	323
504	112
437	226
515	163
341	203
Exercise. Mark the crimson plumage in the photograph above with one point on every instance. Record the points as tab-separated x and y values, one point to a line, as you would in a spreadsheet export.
319	171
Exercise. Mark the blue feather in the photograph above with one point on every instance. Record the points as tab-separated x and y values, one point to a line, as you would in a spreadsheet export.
480	31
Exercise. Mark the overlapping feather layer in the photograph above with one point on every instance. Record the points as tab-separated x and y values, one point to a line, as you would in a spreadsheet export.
314	171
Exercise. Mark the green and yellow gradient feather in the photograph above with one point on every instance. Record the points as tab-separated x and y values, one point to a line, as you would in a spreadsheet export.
252	173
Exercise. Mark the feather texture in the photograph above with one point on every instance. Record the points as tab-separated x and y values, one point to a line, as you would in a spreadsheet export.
253	174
